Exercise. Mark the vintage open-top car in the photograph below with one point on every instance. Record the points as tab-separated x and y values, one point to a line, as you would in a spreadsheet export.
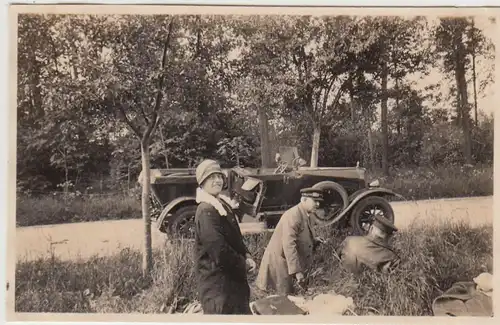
264	194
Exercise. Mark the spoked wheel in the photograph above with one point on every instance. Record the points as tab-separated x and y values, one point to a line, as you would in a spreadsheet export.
335	201
328	211
182	223
365	211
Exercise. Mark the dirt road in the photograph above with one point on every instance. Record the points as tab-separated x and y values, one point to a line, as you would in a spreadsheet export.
70	241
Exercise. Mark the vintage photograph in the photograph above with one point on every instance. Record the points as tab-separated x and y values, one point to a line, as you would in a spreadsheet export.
246	163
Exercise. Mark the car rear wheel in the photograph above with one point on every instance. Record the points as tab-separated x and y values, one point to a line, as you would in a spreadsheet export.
182	222
364	212
336	200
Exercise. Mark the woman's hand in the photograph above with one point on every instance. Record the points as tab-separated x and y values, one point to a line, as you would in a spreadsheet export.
251	265
320	240
300	279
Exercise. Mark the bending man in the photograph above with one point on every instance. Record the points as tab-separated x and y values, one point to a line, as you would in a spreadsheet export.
289	253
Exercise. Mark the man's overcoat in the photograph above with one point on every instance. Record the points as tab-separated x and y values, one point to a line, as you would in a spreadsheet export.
220	262
289	251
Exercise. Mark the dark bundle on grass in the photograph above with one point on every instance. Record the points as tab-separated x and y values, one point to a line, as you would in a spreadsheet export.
433	259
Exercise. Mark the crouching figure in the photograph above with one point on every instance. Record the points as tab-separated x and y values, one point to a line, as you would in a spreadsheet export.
372	250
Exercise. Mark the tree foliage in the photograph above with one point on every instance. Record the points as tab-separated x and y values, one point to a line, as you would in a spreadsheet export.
236	88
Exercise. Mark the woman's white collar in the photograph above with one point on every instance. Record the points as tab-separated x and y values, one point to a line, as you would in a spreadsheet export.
203	196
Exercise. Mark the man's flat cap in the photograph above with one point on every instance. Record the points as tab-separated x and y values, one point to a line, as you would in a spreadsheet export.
313	193
384	224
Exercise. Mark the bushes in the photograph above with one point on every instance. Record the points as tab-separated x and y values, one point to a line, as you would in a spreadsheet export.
53	210
443	144
434	183
433	258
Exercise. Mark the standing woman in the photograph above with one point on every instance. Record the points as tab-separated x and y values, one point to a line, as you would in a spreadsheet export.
222	259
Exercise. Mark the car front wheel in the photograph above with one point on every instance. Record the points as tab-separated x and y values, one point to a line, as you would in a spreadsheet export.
364	213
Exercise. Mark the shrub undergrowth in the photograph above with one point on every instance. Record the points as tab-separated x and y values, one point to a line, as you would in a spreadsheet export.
433	259
413	184
436	183
46	210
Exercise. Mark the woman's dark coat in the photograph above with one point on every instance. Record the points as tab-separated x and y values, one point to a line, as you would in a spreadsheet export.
220	262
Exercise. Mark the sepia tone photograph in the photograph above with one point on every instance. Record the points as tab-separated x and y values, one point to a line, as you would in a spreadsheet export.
259	162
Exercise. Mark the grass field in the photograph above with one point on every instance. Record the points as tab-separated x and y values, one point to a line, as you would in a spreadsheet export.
433	259
415	184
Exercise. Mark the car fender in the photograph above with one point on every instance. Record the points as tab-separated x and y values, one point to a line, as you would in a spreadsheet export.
358	196
172	206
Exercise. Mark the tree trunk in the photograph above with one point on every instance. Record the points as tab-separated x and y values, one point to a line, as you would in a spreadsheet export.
459	104
64	156
466	120
147	256
419	130
74	62
383	118
474	82
464	105
66	173
353	105
398	109
474	71
128	177
36	95
315	144
265	153
164	144
370	146
273	144
78	177
167	164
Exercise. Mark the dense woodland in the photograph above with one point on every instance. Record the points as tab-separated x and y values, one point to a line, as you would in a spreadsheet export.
94	92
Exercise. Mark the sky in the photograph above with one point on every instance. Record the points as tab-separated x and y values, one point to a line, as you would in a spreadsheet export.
486	101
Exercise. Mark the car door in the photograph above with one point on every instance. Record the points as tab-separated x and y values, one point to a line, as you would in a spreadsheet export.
248	192
291	186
